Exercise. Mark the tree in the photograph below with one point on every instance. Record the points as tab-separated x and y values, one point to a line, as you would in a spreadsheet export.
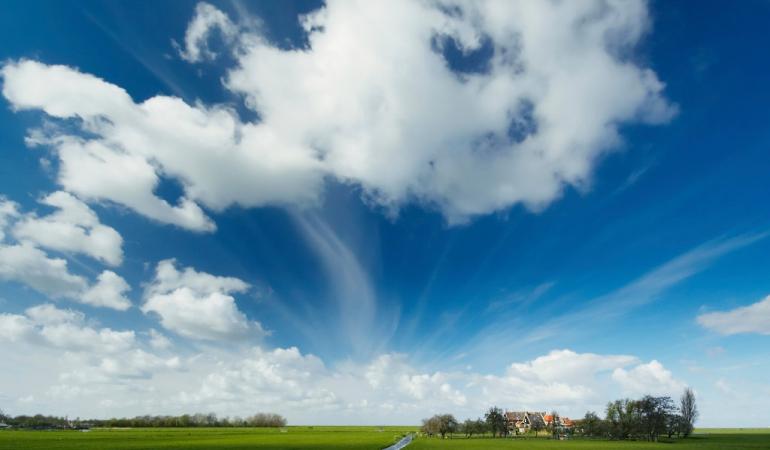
266	420
431	426
447	425
471	427
538	426
480	426
620	418
654	416
495	420
591	425
689	411
674	426
440	424
467	428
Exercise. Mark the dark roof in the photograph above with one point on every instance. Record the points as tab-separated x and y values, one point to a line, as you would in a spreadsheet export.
535	418
513	416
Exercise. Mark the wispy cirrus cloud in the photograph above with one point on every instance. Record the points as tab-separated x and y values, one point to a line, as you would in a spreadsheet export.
602	310
754	318
647	288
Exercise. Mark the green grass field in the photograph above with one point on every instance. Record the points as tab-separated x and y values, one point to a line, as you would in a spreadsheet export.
343	438
703	439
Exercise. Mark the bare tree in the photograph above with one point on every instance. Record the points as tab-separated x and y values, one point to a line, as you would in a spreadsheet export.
431	426
689	411
538	426
449	425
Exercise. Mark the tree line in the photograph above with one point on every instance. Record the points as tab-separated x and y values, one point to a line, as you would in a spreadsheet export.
40	421
646	418
493	422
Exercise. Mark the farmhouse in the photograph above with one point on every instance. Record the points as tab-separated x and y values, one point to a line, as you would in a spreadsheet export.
523	421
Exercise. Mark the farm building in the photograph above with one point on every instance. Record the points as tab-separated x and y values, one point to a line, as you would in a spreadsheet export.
561	421
523	421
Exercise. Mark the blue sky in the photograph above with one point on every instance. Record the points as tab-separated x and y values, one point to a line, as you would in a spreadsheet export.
370	214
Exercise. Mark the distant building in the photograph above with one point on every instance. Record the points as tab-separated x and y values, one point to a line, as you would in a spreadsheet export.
523	421
516	421
4	425
562	423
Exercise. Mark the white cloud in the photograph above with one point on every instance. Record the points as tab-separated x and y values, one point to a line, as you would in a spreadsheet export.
168	278
651	378
158	340
14	327
109	292
57	360
269	378
207	19
567	365
561	378
63	329
137	363
73	228
197	305
73	337
31	266
48	314
368	107
388	389
432	134
51	276
392	376
8	211
97	171
754	318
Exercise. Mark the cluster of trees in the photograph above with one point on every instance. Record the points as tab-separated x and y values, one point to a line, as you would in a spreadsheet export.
186	420
440	425
644	419
37	421
446	424
647	418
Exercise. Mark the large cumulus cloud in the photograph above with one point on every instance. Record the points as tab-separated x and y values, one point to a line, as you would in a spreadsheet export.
535	97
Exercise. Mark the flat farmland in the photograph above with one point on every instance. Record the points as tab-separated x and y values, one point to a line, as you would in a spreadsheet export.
727	439
343	438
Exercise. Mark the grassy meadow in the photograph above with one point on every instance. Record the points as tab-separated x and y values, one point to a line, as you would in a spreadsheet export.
703	439
343	438
337	438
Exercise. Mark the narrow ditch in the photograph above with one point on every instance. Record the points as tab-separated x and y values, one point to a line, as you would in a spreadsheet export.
406	440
